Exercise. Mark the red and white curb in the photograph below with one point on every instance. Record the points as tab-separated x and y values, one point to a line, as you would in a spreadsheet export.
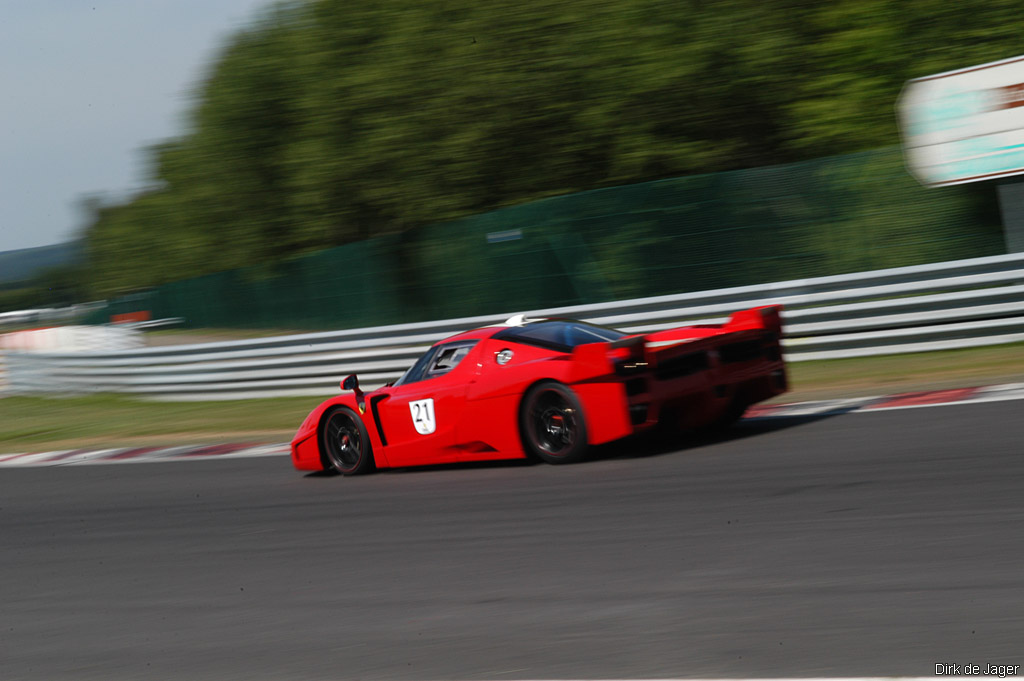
913	400
78	457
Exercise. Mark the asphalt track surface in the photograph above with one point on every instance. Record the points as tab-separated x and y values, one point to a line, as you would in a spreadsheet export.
853	545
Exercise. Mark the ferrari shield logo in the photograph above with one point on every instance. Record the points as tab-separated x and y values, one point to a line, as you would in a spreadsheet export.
423	416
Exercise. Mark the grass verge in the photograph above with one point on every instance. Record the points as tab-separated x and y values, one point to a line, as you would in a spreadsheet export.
41	424
862	376
45	423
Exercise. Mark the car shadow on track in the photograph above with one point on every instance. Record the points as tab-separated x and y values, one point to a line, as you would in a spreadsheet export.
656	443
459	465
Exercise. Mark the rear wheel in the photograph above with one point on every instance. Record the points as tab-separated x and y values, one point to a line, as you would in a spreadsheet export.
552	425
345	443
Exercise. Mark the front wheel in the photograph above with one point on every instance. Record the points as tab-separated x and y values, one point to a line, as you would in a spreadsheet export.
345	443
552	425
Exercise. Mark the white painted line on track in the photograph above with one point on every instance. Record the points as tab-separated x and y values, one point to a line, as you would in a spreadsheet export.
107	457
72	457
811	408
10	457
32	459
957	403
265	450
83	457
957	396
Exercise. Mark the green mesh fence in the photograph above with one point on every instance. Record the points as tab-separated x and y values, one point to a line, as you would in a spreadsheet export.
829	216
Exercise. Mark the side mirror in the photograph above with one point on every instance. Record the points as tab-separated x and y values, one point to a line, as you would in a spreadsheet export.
352	383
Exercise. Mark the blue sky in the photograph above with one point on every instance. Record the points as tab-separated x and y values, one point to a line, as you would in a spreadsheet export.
85	87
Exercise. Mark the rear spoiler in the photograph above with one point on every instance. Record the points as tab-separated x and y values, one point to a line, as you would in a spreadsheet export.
767	317
631	354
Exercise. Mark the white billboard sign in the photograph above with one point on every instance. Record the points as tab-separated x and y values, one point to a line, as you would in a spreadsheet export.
965	125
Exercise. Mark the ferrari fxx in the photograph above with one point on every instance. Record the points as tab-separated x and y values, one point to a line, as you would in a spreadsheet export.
546	389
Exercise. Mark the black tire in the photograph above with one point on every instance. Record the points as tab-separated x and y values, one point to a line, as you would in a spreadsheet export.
344	442
552	424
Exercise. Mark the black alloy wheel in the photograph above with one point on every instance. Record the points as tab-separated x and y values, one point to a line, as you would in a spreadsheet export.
345	443
552	425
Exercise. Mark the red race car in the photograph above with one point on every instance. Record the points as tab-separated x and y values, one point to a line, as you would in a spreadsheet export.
546	389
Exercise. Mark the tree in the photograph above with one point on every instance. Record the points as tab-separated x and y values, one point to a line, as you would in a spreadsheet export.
327	122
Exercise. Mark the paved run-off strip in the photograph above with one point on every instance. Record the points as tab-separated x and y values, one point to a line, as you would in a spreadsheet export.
930	398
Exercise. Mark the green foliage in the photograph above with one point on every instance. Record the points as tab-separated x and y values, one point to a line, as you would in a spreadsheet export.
18	297
55	286
742	227
329	122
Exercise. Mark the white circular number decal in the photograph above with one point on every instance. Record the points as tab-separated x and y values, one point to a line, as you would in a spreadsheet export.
423	416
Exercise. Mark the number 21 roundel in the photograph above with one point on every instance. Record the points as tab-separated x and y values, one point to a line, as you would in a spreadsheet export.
423	416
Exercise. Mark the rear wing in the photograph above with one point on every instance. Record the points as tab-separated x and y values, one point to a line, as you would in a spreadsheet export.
767	317
747	335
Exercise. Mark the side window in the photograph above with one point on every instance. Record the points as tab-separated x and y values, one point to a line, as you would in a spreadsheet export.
436	361
447	358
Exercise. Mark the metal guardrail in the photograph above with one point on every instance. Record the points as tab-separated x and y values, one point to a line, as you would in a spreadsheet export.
47	315
966	303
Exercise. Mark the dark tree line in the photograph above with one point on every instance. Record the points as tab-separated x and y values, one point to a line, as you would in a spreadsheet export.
325	122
